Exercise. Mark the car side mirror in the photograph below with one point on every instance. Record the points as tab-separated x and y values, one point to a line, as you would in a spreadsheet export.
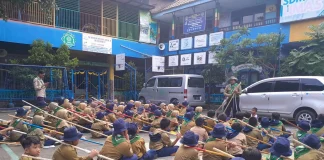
245	91
144	85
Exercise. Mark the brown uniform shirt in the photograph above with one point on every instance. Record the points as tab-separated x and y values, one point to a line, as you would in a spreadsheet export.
99	127
311	155
255	134
155	124
139	147
221	145
173	123
26	158
164	142
111	117
182	111
186	153
67	152
240	139
201	132
20	126
210	123
38	133
187	127
116	152
318	133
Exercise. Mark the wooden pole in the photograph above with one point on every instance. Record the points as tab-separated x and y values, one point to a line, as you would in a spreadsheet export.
228	155
32	157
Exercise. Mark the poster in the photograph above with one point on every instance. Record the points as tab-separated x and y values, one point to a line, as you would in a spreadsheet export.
294	10
194	23
174	45
185	60
212	58
186	43
199	58
200	41
96	43
173	61
120	62
157	64
148	28
225	19
215	38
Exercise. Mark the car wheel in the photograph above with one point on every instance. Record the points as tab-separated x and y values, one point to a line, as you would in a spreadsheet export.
305	115
142	100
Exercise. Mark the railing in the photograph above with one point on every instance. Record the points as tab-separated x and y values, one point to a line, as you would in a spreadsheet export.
250	25
128	31
109	27
11	95
215	98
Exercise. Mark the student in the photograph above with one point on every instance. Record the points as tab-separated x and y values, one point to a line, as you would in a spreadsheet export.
137	104
62	124
210	123
4	133
129	116
129	106
36	131
32	147
276	124
139	116
118	146
110	112
215	141
89	116
200	130
100	126
174	120
281	147
186	150
183	108
164	108
302	132
254	112
222	118
18	124
157	120
252	132
198	111
236	137
187	123
303	153
170	110
66	151
317	125
265	123
247	116
81	107
252	154
161	142
120	111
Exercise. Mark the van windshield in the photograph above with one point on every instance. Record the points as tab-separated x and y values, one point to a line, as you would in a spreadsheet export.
196	82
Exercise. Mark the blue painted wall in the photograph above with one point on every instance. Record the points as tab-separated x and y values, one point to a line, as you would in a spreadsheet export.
136	46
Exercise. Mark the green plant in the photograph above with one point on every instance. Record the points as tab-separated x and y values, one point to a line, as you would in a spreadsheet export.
139	78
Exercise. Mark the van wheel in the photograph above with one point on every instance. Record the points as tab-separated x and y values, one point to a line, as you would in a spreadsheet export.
305	115
142	100
173	100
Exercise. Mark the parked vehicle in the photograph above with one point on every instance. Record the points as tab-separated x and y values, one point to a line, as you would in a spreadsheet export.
168	88
300	97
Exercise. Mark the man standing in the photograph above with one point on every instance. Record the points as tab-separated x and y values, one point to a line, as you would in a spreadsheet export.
40	88
232	104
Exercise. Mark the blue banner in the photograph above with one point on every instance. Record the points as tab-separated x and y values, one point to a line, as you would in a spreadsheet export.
194	23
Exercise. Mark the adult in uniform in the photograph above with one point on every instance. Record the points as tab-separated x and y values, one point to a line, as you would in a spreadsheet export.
232	89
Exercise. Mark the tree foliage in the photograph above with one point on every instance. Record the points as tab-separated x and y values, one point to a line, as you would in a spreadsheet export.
214	74
139	78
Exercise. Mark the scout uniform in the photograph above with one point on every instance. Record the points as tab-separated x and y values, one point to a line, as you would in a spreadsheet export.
26	158
87	115
164	108
186	151
120	111
110	113
210	124
281	147
219	132
277	127
253	133
174	124
138	116
265	123
161	142
303	153
156	122
198	111
183	109
129	116
232	103
187	124
52	109
35	131
100	126
170	110
300	134
18	124
62	124
317	128
238	138
199	130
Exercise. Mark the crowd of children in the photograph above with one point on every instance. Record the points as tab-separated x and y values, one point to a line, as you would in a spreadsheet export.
243	136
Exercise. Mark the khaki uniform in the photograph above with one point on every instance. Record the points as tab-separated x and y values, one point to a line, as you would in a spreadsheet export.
310	155
26	158
99	127
165	141
20	126
210	123
111	117
137	120
83	123
318	133
155	124
182	111
128	120
186	153
255	134
211	143
173	123
67	152
187	127
201	132
240	139
38	133
278	129
116	152
138	146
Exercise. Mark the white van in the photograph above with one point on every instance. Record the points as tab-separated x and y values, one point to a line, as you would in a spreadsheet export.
167	88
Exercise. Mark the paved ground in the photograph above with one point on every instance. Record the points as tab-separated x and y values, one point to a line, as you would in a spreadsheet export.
14	152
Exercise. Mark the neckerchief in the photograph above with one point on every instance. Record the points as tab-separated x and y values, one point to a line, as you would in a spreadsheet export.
118	139
135	138
232	86
247	129
299	151
210	139
300	135
232	135
275	123
316	126
32	129
16	122
197	114
58	123
186	121
78	110
273	157
168	114
56	109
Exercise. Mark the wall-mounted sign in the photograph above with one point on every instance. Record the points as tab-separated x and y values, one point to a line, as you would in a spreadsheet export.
294	10
173	61
157	64
200	58
148	28
174	45
120	62
215	38
212	58
68	39
238	68
186	43
194	23
185	60
96	43
201	41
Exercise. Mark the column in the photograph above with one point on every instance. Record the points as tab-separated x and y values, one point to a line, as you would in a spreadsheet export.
111	76
117	21
216	24
173	27
102	19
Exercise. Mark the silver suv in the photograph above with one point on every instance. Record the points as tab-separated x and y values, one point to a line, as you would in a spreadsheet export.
300	97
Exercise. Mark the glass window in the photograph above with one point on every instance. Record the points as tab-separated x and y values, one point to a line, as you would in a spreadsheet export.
150	83
196	82
175	82
163	82
248	19
286	86
263	87
312	85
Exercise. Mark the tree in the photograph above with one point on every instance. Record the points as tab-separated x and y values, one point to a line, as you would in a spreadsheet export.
309	58
213	74
139	78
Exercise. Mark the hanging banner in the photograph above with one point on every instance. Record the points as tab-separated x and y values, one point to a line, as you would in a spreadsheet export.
215	38
194	23
185	60
212	58
96	43
186	43
157	64
120	62
201	41
199	58
173	61
148	28
240	67
174	45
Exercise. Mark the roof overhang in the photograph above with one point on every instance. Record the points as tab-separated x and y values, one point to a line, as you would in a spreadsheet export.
135	3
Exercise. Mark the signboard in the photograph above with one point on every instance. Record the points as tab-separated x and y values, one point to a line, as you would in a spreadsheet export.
201	41
148	28
294	10
120	62
212	58
185	60
157	64
215	38
186	43
194	23
173	61
174	45
200	58
96	43
238	68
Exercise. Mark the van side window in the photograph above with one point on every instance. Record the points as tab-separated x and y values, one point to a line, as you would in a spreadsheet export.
263	87
196	82
163	82
286	86
150	83
175	82
311	85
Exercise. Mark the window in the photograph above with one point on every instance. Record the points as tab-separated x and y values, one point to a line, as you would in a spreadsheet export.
247	19
175	82
311	85
163	82
286	86
259	17
196	82
150	83
263	87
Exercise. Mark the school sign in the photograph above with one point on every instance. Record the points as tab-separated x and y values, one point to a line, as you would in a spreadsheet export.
295	10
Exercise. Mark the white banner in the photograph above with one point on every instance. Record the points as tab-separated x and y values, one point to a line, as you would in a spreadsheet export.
201	41
186	43
185	59
148	28
157	64
174	45
96	43
200	58
120	62
173	61
215	38
212	58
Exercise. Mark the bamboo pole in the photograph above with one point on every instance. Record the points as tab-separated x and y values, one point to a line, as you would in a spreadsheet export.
32	157
227	154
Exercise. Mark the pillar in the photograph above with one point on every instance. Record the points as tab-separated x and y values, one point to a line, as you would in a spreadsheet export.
117	21
54	10
216	24
102	19
111	76
173	26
